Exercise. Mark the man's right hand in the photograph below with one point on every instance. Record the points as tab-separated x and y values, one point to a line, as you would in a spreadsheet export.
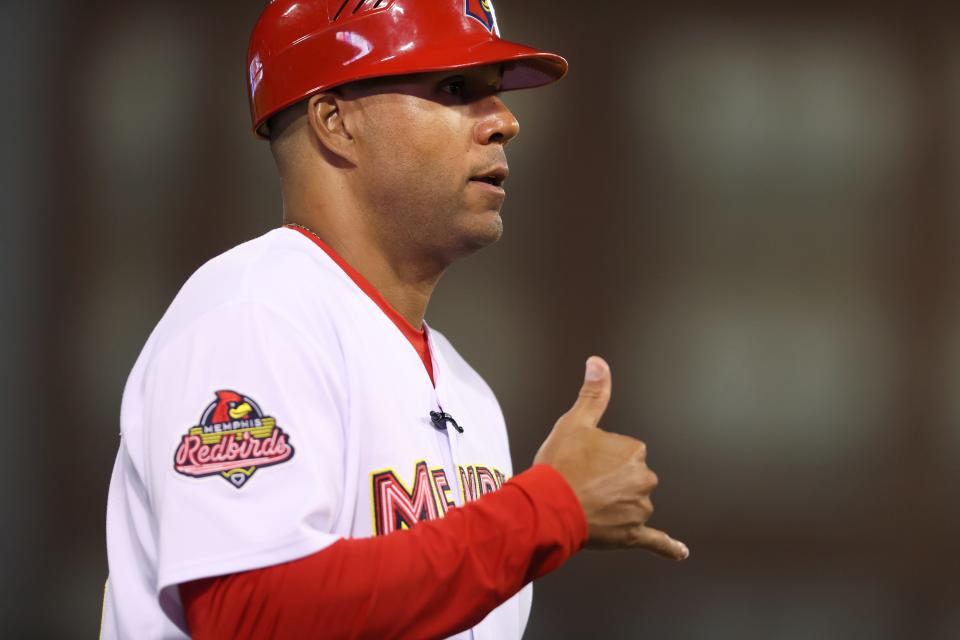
607	472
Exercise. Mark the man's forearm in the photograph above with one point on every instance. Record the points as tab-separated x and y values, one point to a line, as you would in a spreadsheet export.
438	578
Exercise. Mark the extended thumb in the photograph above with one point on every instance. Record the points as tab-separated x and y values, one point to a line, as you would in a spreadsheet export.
595	392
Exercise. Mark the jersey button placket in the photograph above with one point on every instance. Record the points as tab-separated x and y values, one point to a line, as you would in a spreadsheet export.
452	435
453	441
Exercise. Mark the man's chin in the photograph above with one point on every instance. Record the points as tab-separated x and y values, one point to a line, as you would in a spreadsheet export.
483	232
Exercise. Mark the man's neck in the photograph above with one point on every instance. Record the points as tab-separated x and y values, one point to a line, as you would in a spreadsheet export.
404	283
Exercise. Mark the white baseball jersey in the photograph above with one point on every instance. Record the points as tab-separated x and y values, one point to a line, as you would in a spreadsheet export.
275	409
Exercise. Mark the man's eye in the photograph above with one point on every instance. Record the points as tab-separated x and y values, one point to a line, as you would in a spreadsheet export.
455	88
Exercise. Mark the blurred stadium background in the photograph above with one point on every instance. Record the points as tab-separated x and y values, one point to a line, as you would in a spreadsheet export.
749	208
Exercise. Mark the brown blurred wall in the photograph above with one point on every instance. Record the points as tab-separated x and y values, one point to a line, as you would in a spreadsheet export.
749	210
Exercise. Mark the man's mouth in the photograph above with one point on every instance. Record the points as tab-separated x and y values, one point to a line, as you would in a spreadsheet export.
495	176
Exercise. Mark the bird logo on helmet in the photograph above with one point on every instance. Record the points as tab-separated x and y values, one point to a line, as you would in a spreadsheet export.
483	12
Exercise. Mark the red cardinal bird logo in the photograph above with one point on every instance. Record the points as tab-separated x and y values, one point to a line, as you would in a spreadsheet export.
230	405
483	12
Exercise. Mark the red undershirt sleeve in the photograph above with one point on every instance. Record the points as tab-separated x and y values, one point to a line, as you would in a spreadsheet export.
436	579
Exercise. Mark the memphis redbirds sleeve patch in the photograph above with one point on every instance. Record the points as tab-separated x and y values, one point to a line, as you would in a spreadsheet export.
233	439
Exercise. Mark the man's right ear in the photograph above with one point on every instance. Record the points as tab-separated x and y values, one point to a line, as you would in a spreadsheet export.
326	120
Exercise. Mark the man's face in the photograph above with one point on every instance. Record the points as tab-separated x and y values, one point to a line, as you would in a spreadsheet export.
430	157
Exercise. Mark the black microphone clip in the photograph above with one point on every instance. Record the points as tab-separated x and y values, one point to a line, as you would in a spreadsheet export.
440	420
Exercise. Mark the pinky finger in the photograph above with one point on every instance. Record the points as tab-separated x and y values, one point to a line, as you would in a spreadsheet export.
661	544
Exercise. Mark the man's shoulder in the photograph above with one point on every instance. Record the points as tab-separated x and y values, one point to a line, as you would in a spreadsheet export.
277	271
275	264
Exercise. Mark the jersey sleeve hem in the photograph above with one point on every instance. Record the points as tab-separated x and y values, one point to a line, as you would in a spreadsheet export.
224	565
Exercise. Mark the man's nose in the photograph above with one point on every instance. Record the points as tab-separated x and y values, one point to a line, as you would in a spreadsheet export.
497	123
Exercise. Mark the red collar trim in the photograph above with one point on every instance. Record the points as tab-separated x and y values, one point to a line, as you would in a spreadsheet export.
416	337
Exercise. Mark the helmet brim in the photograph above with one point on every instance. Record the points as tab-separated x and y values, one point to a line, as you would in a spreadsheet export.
523	67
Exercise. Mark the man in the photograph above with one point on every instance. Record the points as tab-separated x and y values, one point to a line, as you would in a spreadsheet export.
301	455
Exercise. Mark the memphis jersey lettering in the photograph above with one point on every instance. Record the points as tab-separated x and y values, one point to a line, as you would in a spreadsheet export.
395	507
233	440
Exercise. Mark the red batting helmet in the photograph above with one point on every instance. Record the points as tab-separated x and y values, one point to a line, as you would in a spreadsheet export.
300	47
